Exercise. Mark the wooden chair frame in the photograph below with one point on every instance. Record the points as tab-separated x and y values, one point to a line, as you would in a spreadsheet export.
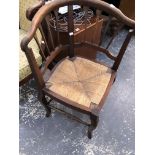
93	110
30	12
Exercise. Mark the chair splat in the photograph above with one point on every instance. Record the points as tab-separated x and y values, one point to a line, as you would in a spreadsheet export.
57	26
44	39
71	30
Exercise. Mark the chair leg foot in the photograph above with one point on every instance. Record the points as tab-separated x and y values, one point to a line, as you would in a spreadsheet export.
89	133
93	125
47	108
48	112
114	80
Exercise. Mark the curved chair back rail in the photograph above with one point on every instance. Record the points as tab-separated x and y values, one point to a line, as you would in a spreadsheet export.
42	14
110	9
30	12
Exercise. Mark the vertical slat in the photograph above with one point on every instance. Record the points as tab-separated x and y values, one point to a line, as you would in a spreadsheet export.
39	45
122	50
57	29
94	28
44	39
71	30
85	8
49	30
114	35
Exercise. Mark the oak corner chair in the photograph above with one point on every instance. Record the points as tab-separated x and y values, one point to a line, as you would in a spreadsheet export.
74	81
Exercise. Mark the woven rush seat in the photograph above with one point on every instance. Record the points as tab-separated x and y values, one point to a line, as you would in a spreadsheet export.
79	80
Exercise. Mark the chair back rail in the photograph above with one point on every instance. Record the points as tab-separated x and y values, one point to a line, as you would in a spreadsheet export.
59	3
52	8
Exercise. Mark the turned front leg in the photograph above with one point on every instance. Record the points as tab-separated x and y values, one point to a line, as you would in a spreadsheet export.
45	104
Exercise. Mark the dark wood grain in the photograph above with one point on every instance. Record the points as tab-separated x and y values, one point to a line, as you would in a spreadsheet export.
71	30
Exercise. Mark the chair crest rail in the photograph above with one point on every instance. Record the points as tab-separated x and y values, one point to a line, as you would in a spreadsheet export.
44	10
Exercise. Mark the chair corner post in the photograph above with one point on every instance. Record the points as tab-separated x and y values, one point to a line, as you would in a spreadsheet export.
94	117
